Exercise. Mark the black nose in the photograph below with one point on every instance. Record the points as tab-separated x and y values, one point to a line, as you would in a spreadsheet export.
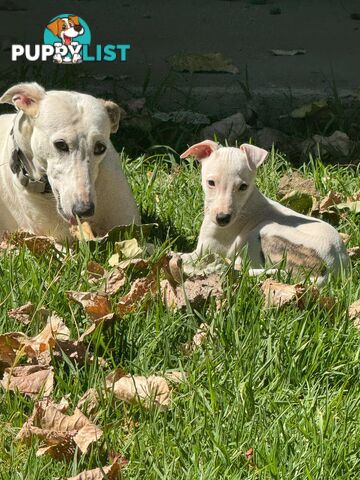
78	28
82	209
223	218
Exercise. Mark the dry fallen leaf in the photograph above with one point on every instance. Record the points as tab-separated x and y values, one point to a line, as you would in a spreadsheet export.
198	339
60	433
202	62
53	338
345	237
110	472
279	294
128	248
105	320
354	253
114	281
332	198
23	313
95	270
354	313
38	245
89	402
30	380
82	231
175	377
195	291
249	454
288	53
149	391
10	348
139	289
96	305
136	263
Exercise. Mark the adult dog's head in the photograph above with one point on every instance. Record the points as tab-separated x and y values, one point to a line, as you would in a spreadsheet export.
66	135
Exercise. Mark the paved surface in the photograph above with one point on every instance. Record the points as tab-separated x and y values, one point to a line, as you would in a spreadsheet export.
240	30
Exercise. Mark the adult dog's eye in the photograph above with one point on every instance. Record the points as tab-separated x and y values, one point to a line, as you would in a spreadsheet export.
243	187
211	183
99	148
61	145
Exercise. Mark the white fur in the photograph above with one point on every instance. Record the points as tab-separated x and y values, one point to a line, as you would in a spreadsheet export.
80	120
253	216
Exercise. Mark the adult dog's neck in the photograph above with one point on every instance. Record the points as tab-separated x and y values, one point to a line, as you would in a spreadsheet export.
23	129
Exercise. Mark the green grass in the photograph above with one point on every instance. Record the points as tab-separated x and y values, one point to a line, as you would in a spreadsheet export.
283	382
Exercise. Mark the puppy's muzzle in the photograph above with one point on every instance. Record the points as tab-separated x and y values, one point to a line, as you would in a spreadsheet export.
223	219
83	209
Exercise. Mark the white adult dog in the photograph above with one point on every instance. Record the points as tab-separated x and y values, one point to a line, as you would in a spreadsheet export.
237	215
57	163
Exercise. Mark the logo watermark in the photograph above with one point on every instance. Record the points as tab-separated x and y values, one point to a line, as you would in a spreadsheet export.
67	39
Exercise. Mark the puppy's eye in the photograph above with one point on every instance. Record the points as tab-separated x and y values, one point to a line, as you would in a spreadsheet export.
243	187
211	183
61	145
99	148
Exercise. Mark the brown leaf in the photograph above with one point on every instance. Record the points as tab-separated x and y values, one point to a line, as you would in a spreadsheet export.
149	391
60	433
175	377
89	402
111	472
354	313
136	263
249	454
82	232
95	270
30	380
10	346
22	313
354	253
280	294
139	289
106	320
114	281
38	245
196	291
345	237
198	339
96	305
332	198
295	181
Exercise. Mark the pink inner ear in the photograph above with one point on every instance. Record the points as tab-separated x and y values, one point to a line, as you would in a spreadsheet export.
201	150
23	99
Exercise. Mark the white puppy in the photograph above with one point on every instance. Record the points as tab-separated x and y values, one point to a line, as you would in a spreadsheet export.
237	215
57	163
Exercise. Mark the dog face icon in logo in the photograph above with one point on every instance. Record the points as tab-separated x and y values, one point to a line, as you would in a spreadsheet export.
72	32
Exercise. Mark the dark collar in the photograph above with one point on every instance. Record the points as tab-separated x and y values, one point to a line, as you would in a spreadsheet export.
19	165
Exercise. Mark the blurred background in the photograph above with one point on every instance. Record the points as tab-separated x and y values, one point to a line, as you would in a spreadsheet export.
280	72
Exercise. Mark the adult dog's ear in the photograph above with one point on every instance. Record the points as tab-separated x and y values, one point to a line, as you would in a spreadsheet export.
201	150
255	156
25	97
55	27
115	113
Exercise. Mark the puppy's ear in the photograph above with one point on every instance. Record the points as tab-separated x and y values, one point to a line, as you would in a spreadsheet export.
55	27
201	150
25	97
255	156
75	19
115	113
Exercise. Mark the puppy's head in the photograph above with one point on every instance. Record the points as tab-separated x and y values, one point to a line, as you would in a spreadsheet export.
66	28
67	135
228	178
